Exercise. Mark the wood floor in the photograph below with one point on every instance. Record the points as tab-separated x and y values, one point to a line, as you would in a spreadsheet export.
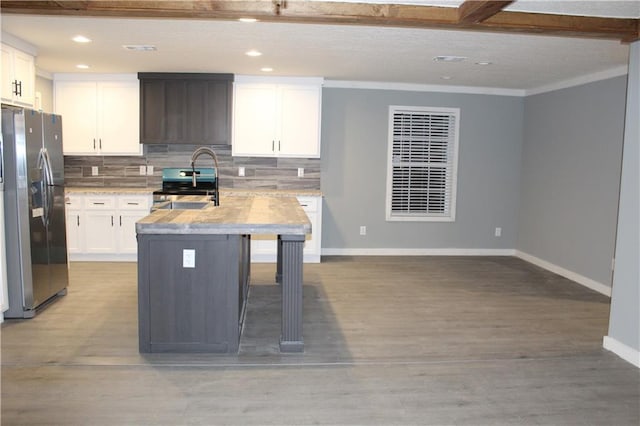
388	340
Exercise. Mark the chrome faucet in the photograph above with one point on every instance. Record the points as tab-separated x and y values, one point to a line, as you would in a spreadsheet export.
197	153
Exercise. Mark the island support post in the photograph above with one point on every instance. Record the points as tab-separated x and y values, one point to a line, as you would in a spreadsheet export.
290	259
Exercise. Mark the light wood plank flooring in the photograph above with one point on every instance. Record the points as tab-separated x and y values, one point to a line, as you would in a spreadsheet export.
388	340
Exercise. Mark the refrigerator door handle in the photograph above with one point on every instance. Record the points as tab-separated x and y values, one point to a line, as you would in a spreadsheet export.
50	185
44	163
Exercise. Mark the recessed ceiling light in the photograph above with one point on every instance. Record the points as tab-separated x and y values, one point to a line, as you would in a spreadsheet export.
484	63
248	20
446	77
253	53
266	69
449	58
81	39
82	66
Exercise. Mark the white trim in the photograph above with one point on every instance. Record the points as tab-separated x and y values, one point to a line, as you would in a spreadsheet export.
578	81
71	76
573	276
257	79
43	73
18	43
110	257
499	91
415	252
380	85
625	352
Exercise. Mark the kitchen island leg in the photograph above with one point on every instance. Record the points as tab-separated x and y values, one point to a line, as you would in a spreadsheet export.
290	256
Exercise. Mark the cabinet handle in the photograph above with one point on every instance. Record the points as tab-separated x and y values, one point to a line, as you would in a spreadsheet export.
94	143
19	88
273	146
120	221
14	87
100	143
78	220
111	220
278	146
97	204
132	204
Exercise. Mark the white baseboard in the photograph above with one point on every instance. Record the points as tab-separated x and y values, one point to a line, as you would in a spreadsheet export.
625	352
271	258
86	257
573	276
416	252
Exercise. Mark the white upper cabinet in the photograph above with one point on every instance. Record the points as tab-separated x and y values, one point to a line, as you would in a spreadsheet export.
18	77
99	117
277	117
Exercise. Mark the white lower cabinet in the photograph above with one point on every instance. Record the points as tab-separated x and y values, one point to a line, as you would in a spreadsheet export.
264	247
102	227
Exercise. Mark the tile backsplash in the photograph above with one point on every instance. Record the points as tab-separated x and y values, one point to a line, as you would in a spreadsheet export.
124	171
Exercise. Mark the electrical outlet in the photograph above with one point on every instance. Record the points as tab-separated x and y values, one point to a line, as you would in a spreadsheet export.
143	170
498	232
149	170
300	171
240	171
363	230
94	170
188	258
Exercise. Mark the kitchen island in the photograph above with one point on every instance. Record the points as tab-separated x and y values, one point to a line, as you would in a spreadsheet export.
194	272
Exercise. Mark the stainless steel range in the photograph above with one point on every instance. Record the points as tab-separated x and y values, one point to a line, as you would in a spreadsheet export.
181	181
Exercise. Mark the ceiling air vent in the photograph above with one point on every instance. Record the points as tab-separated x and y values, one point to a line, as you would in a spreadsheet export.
449	58
140	47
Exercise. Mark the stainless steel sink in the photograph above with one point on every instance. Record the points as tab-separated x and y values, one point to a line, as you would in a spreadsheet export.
184	205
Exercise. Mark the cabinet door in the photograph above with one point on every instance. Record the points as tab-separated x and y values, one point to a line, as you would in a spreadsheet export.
74	234
7	74
131	208
127	242
299	131
163	111
118	117
99	230
24	73
208	112
76	102
152	111
254	120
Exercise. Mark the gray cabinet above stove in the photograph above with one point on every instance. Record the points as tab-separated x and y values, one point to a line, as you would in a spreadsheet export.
185	108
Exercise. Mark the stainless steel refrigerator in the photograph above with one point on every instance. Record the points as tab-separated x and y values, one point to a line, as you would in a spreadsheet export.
36	245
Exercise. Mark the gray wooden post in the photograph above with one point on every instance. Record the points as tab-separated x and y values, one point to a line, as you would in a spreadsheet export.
290	252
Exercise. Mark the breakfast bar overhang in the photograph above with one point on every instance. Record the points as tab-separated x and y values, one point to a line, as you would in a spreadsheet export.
193	264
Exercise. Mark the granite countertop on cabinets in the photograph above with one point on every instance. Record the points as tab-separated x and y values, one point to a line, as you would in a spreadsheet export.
235	215
99	190
231	192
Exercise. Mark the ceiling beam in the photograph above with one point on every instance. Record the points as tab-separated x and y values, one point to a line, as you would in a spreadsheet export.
324	12
474	11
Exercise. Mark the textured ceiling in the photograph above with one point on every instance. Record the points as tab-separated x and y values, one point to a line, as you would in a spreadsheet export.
373	54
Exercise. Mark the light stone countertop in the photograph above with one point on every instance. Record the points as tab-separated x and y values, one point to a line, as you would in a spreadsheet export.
235	215
241	192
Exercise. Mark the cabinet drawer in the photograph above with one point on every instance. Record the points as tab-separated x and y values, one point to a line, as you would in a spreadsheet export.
98	203
133	202
73	201
309	204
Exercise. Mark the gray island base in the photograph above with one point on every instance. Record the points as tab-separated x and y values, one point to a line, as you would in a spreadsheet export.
194	273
